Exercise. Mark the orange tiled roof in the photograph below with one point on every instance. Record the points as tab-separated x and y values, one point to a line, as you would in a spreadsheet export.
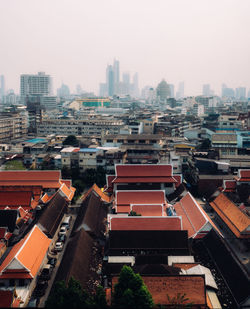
194	218
235	219
159	286
67	192
140	223
28	252
98	191
46	198
178	178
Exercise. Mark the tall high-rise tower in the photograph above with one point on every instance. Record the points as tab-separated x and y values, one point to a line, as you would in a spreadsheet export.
2	86
110	80
116	69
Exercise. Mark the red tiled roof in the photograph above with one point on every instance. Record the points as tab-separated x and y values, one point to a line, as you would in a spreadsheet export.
28	252
68	182
3	230
185	265
237	221
149	210
145	179
143	170
140	223
178	178
123	209
193	217
46	179
126	198
229	185
244	175
15	198
159	287
15	275
109	184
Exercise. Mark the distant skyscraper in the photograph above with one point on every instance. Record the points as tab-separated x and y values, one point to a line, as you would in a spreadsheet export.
126	83
135	85
103	90
240	93
180	92
227	92
110	80
63	91
206	90
116	70
171	86
163	90
2	86
35	85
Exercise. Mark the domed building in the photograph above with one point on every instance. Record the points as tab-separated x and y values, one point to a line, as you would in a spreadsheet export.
163	90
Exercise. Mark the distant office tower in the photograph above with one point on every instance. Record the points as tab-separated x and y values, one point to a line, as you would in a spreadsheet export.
163	90
248	94
37	85
63	91
103	90
206	90
79	90
227	92
110	80
171	86
126	83
2	86
135	85
240	93
116	70
180	91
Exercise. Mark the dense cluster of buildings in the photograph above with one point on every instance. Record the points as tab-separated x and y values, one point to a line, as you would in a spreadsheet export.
176	202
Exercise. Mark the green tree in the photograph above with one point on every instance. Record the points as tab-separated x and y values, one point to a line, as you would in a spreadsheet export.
71	140
99	299
130	291
68	296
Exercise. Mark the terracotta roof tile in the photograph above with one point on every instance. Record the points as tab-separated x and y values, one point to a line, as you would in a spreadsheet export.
29	251
178	178
236	220
145	223
184	265
144	180
15	198
194	218
149	210
143	170
46	179
192	285
68	182
67	192
126	198
229	185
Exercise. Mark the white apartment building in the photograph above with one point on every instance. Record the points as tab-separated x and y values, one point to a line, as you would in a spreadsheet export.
35	84
88	127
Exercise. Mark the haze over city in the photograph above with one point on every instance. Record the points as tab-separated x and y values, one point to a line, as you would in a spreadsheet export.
197	42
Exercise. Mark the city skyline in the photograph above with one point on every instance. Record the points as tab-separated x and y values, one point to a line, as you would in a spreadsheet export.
192	41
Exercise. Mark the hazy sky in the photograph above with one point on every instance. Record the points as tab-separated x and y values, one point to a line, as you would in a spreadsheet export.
196	41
